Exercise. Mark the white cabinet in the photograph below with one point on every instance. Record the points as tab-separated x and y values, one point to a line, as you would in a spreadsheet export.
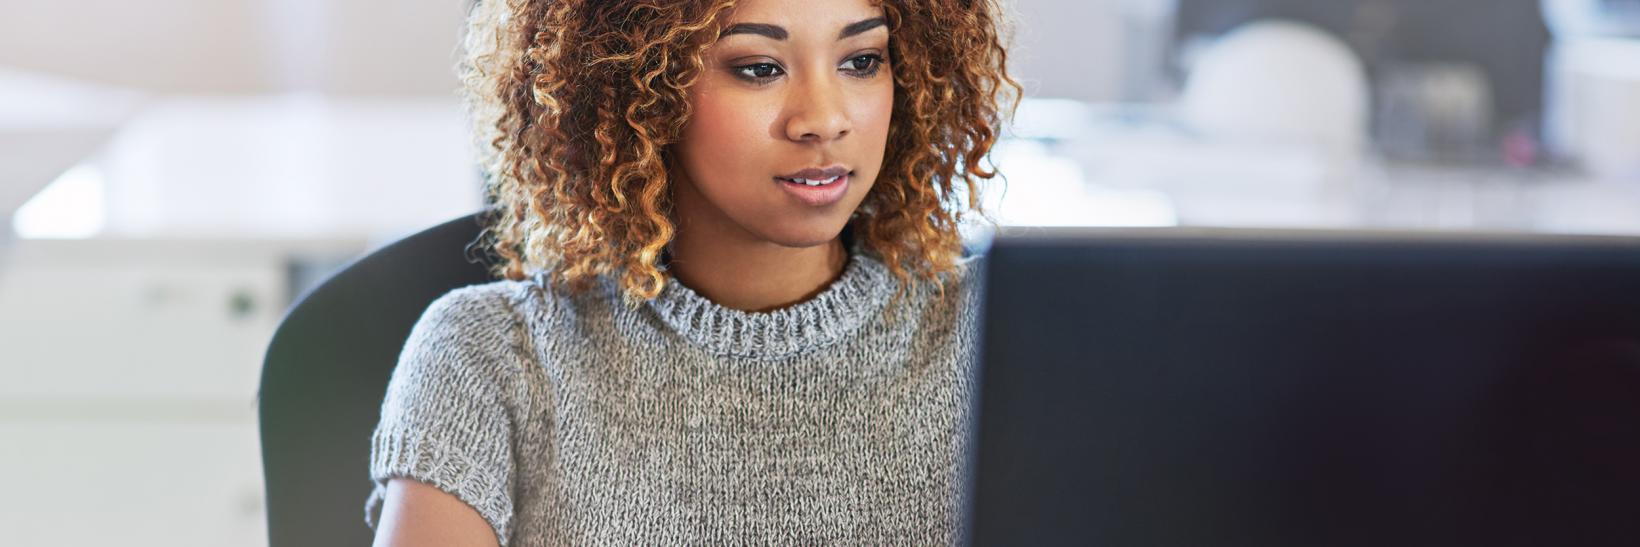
131	476
128	374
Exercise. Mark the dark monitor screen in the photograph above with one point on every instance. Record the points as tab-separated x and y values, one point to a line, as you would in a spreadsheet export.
1179	387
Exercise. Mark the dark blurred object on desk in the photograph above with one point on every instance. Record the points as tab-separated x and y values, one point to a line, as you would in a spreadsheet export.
1440	111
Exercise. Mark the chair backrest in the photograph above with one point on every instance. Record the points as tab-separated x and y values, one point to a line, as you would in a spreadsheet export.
326	371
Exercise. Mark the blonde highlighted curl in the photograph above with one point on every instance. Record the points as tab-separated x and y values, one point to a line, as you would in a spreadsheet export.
576	103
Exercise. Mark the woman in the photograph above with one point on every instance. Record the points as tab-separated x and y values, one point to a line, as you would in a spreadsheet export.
726	230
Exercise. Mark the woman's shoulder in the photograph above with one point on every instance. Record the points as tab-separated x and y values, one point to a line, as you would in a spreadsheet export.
480	306
485	315
533	308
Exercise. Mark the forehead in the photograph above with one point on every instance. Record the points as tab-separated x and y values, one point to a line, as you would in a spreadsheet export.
800	15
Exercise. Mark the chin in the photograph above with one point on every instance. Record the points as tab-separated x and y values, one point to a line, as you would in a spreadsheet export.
806	235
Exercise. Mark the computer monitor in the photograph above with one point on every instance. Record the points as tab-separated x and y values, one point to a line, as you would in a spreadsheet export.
1211	387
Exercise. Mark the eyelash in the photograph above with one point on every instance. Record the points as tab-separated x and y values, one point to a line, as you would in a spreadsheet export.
876	65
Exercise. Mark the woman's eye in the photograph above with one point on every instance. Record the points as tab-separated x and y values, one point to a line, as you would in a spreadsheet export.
865	64
762	73
758	72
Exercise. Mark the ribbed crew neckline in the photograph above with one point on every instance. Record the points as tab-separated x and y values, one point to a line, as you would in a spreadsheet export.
848	303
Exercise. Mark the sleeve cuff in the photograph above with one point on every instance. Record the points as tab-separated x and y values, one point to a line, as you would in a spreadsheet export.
434	463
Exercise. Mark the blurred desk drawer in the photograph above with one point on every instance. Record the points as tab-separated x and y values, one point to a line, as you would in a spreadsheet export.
143	319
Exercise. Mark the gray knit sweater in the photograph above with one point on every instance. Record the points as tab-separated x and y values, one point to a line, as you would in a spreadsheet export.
574	420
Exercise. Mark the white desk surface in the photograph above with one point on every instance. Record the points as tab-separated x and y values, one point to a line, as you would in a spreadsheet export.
1119	170
285	166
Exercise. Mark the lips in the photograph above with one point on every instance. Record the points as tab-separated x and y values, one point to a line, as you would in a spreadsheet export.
816	173
816	192
812	182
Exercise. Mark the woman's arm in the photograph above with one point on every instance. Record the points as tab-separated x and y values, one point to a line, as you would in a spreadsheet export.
442	456
415	514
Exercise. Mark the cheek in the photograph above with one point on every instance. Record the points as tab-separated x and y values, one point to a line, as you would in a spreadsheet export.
881	109
723	133
873	117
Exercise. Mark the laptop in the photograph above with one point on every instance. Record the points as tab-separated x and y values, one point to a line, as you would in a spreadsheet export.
1242	387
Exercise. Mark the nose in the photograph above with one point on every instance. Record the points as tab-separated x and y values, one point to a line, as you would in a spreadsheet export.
819	111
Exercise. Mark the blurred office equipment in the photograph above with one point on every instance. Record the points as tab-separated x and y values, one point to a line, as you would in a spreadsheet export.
1256	387
325	373
1281	82
1456	106
1415	45
1439	111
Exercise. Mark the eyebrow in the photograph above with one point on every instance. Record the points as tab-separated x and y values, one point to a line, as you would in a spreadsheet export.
779	33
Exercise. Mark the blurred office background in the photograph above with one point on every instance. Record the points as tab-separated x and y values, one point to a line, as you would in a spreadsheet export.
173	173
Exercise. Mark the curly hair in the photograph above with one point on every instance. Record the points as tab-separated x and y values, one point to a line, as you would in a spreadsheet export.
575	104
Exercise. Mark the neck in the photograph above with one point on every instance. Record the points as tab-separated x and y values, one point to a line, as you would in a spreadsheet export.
752	275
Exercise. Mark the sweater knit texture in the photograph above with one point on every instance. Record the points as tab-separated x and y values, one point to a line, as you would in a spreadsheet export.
575	420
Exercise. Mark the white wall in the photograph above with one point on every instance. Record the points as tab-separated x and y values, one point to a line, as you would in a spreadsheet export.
390	46
1063	48
239	46
1068	48
162	45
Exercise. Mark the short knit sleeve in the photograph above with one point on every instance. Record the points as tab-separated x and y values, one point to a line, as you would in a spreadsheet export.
447	419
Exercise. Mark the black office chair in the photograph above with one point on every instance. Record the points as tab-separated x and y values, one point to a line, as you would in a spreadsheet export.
326	371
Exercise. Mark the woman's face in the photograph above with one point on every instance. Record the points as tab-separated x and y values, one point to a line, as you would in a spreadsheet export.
792	89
